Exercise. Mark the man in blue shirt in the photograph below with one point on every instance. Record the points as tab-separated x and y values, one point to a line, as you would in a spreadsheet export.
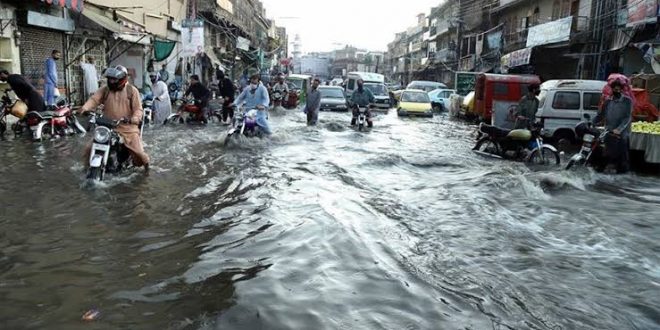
255	96
50	81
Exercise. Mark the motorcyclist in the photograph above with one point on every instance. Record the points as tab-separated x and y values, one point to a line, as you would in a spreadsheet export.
255	96
527	107
24	90
121	101
362	98
617	114
282	87
200	93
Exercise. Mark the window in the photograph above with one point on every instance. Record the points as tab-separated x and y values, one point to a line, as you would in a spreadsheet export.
351	84
501	89
592	101
566	101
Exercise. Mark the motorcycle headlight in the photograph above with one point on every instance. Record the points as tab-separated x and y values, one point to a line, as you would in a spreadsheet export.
102	135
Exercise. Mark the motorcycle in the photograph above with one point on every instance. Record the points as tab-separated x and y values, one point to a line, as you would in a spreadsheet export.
109	154
362	119
147	108
16	108
59	122
176	92
189	112
244	124
278	98
592	152
515	145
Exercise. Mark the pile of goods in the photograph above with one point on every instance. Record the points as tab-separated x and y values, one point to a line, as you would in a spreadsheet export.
648	128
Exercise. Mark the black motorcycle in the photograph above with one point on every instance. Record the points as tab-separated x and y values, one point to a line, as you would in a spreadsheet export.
592	152
518	144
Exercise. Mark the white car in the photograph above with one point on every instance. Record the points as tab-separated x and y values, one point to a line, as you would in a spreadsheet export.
440	98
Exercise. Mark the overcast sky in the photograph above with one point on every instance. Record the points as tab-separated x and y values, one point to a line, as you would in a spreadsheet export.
324	25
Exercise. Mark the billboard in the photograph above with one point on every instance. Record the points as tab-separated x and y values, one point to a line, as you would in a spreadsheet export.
550	33
642	12
192	39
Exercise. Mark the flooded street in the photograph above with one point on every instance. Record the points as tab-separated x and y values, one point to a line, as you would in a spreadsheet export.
403	227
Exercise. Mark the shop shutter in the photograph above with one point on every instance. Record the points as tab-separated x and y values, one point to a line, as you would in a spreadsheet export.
36	46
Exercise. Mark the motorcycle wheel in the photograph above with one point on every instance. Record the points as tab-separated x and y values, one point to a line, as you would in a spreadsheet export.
544	157
95	173
486	145
176	120
3	127
570	164
47	133
360	127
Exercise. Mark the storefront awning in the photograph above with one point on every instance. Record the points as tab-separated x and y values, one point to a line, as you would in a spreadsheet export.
75	5
120	29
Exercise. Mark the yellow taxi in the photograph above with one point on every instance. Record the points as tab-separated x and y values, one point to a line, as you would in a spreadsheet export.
415	102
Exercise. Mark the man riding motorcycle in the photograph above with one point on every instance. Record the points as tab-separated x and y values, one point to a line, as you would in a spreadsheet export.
121	101
24	90
255	96
200	93
363	98
527	107
281	87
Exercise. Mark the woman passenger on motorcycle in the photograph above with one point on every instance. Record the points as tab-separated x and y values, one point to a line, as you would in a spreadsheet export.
255	96
162	105
199	92
121	101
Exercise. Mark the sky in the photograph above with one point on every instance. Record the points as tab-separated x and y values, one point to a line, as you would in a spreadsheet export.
325	25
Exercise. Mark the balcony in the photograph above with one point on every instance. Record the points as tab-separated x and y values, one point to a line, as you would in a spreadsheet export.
515	40
443	55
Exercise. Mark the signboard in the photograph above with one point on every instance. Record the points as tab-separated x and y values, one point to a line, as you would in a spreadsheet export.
550	33
242	43
642	12
226	5
192	39
517	58
464	82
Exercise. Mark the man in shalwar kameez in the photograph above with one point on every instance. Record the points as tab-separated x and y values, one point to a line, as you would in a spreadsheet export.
121	101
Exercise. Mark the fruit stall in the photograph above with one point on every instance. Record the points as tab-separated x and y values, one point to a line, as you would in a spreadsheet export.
645	138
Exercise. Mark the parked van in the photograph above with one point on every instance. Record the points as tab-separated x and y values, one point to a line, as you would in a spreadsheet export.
374	82
563	103
498	87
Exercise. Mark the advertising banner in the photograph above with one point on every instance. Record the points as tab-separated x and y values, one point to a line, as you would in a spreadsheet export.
550	33
192	39
642	12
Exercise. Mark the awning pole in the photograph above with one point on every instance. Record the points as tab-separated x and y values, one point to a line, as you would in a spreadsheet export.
127	48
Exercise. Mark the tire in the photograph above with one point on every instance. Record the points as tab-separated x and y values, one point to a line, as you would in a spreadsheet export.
46	131
95	173
570	164
3	127
564	139
176	120
486	145
360	127
544	156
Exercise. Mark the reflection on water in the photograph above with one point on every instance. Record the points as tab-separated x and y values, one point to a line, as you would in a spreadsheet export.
402	227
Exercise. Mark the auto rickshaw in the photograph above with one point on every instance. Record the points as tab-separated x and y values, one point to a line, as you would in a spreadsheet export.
298	85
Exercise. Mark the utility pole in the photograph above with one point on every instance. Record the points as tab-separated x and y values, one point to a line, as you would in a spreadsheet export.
459	37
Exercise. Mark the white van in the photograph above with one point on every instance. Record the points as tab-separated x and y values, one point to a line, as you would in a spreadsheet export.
374	82
563	103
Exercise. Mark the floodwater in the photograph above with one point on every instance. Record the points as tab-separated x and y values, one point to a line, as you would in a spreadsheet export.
402	227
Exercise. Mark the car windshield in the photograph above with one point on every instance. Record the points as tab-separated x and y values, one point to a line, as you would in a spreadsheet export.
332	93
376	89
297	83
415	97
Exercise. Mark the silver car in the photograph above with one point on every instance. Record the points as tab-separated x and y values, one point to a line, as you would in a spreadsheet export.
333	98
